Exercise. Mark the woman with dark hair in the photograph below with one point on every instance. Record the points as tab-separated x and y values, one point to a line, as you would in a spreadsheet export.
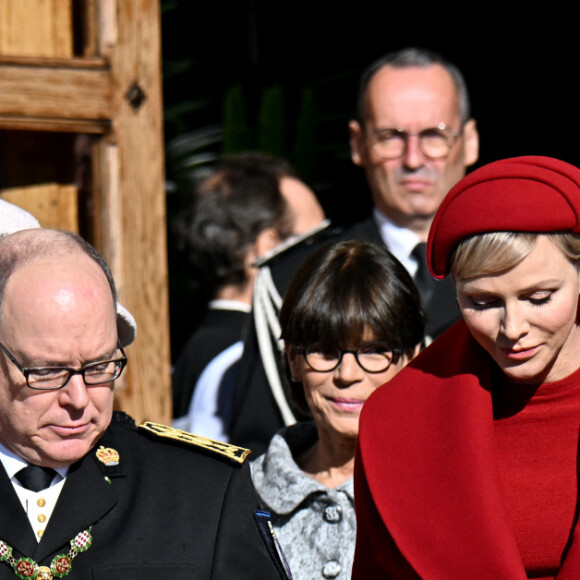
350	321
467	465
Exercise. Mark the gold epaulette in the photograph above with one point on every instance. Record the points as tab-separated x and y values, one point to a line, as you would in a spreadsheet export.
233	452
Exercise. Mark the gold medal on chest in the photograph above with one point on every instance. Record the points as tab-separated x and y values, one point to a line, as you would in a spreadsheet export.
44	573
61	565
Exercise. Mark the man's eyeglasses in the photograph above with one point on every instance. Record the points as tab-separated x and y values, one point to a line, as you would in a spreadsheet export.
52	378
372	357
434	142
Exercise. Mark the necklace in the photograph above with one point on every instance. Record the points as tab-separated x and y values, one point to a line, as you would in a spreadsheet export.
28	569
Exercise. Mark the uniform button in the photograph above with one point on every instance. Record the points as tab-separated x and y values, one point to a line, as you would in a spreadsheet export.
331	569
40	533
41	518
333	513
40	502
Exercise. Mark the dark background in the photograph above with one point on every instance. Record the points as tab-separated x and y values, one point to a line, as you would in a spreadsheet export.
521	71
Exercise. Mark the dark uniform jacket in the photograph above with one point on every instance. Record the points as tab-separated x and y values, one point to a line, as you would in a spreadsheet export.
168	509
256	416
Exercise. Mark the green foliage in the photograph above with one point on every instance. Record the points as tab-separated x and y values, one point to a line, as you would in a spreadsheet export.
272	126
270	132
237	135
306	141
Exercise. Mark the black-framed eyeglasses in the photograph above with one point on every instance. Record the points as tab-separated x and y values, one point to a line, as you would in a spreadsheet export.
53	378
372	357
434	142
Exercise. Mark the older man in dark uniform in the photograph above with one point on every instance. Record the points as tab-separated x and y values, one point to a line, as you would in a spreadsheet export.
84	493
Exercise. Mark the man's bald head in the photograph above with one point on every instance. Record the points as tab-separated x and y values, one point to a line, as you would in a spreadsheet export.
58	319
26	246
413	58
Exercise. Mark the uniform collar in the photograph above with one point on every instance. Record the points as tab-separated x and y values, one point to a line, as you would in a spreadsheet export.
13	463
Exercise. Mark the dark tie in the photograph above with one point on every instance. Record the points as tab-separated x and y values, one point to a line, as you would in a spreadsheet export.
35	478
423	279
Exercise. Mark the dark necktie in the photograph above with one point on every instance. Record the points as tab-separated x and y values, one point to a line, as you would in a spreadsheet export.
35	478
423	279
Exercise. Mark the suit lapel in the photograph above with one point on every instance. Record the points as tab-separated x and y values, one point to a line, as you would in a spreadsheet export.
15	528
85	498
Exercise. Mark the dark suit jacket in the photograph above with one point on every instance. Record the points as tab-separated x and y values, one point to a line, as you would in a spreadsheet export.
218	330
255	416
168	510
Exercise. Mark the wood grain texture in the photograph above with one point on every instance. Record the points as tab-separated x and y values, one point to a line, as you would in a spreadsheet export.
56	92
36	28
128	223
52	204
134	238
18	123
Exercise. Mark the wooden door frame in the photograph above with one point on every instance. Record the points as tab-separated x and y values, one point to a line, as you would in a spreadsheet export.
115	94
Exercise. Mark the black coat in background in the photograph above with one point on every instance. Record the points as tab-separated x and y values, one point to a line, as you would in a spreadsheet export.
255	414
219	329
168	510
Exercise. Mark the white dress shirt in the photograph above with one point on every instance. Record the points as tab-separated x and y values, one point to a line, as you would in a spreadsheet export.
400	241
37	505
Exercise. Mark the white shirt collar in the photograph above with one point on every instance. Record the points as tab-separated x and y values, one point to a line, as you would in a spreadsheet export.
399	240
13	463
38	506
223	304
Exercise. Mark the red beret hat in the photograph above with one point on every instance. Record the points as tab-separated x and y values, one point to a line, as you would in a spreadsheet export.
520	194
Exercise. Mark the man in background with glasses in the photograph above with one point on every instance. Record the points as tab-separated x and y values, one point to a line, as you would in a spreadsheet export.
414	137
82	488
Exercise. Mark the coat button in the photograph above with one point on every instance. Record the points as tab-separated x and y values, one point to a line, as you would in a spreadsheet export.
333	513
331	569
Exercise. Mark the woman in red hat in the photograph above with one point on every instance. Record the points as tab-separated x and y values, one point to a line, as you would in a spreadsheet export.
467	462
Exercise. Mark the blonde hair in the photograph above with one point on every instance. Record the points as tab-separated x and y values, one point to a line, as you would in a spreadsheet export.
492	253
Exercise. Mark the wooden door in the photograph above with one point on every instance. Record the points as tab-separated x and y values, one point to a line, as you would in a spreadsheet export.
81	147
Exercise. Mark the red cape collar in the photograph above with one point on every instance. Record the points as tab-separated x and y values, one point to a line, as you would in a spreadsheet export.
427	446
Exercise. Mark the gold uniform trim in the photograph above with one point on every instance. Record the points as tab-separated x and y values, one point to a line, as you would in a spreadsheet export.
233	452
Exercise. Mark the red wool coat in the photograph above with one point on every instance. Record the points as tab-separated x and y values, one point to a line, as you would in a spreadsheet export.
427	484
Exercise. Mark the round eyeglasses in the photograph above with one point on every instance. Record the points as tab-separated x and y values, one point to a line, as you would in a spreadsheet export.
372	357
434	142
53	378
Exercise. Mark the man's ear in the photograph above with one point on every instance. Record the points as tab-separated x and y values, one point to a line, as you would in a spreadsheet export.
266	240
471	142
357	142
